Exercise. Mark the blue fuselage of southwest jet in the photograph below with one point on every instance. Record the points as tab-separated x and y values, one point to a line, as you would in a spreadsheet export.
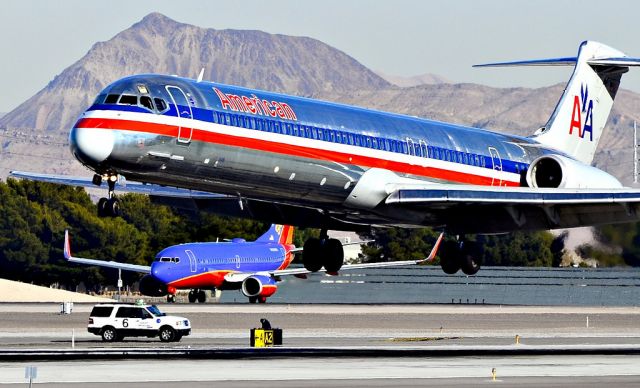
205	265
253	144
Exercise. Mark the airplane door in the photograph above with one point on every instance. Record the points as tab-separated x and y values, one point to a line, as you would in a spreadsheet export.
496	161
183	109
193	264
237	260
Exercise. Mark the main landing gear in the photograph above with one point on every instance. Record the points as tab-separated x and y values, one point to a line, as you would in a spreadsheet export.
458	255
110	206
257	299
199	296
323	251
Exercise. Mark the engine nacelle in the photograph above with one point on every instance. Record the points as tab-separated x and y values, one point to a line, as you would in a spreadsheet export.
555	171
150	286
259	285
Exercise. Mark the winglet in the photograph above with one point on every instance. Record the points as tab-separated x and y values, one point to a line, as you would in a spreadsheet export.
67	245
434	250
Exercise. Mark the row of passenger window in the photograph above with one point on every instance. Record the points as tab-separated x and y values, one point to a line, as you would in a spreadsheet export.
157	105
408	147
244	260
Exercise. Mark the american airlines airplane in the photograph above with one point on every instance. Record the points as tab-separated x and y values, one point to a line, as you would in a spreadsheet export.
298	161
253	267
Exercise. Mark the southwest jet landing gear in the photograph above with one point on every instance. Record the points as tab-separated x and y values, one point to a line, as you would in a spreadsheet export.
197	295
323	251
110	206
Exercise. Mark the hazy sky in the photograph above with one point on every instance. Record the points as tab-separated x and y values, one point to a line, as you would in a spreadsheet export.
40	38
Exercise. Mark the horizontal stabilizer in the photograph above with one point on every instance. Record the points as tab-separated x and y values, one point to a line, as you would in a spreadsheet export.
568	61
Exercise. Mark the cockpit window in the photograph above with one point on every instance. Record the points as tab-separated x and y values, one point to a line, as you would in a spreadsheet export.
146	102
169	259
160	104
111	99
127	99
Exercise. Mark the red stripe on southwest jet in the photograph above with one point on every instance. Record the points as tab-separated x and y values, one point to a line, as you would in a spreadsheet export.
289	149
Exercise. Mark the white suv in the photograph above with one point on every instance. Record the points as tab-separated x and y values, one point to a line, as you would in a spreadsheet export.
114	321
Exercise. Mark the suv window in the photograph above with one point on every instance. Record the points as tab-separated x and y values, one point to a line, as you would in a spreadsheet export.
101	311
129	312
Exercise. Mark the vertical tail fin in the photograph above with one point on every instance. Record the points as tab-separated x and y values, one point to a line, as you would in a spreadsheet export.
578	121
282	234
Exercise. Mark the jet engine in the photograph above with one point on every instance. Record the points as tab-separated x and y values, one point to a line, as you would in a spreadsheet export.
556	171
150	286
259	286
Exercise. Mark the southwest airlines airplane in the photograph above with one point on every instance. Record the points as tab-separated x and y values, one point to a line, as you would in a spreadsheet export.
253	267
298	161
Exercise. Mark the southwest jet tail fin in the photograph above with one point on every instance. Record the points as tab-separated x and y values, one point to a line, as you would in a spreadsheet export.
578	121
282	234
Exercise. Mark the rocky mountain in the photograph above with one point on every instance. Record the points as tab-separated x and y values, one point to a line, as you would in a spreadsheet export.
407	82
158	44
34	135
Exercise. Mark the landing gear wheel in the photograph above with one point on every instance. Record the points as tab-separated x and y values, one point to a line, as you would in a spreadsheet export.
109	334
468	263
171	298
167	334
253	299
262	299
449	254
102	207
202	296
333	255
112	207
312	255
192	296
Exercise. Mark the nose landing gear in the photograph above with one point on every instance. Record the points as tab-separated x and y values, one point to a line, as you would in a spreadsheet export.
110	206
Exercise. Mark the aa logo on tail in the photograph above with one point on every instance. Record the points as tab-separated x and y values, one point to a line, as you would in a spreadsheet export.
582	106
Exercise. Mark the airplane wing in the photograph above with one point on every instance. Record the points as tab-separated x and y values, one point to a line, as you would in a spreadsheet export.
121	185
100	263
470	209
303	271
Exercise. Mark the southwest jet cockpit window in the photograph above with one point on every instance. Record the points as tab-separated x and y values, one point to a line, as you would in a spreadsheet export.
169	259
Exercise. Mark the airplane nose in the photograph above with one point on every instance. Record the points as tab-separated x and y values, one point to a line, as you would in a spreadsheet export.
91	146
157	271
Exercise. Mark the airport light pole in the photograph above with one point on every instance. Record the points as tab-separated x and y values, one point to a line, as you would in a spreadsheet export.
119	283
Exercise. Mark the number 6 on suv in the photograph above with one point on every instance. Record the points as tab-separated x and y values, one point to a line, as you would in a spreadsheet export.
114	321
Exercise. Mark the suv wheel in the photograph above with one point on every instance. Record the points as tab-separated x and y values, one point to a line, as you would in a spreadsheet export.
167	334
109	334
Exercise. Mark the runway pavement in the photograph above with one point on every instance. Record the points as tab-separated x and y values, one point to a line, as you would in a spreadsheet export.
421	341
